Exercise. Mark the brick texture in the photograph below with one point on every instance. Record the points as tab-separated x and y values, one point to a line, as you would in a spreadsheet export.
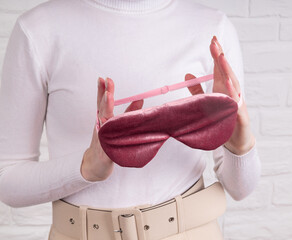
276	157
260	8
257	29
286	30
267	56
289	98
282	190
276	122
7	21
270	223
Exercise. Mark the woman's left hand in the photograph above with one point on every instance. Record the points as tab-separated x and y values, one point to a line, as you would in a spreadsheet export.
225	81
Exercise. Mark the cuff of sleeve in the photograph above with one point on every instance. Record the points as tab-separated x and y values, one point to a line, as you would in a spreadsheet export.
240	160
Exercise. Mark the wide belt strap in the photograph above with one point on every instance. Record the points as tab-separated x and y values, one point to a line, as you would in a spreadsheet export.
195	207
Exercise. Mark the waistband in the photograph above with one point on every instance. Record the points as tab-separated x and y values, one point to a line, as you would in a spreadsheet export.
194	207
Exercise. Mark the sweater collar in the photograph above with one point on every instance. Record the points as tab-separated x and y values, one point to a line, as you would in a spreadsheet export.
132	6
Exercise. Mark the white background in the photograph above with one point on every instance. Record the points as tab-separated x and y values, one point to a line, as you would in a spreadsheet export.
265	32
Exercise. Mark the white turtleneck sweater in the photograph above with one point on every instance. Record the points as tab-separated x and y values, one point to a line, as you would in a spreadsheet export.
55	54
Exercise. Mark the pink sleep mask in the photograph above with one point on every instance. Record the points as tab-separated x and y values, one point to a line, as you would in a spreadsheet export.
202	121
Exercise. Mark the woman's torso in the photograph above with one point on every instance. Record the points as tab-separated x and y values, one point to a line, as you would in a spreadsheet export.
79	42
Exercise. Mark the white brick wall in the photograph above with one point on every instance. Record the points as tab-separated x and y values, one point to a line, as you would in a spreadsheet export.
265	32
259	8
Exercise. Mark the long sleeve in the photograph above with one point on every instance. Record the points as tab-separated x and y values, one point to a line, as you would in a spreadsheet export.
25	181
238	174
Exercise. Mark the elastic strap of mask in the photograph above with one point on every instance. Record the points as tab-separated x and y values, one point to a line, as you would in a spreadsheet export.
165	89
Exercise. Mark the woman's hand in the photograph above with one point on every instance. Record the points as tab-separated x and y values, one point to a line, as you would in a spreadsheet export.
225	81
96	165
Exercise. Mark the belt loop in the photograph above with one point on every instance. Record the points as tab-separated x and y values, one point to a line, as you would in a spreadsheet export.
180	214
83	221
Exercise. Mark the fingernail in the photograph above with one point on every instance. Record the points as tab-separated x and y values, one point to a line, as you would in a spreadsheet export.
105	96
98	82
221	55
106	83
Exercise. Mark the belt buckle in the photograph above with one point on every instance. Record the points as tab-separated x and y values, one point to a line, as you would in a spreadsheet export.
128	211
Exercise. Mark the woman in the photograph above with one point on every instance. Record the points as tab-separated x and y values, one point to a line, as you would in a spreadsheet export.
54	55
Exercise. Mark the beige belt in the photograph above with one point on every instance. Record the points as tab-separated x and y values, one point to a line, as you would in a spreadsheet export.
193	208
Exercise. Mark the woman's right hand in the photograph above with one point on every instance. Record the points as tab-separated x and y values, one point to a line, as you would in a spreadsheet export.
96	165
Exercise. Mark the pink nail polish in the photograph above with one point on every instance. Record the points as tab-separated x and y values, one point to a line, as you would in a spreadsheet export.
105	96
212	40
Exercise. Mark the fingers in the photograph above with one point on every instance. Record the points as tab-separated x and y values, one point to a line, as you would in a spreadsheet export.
227	70
135	105
223	71
110	85
231	89
196	89
101	88
105	99
216	50
108	103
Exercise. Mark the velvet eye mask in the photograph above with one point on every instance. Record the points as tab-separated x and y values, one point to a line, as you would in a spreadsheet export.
202	121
